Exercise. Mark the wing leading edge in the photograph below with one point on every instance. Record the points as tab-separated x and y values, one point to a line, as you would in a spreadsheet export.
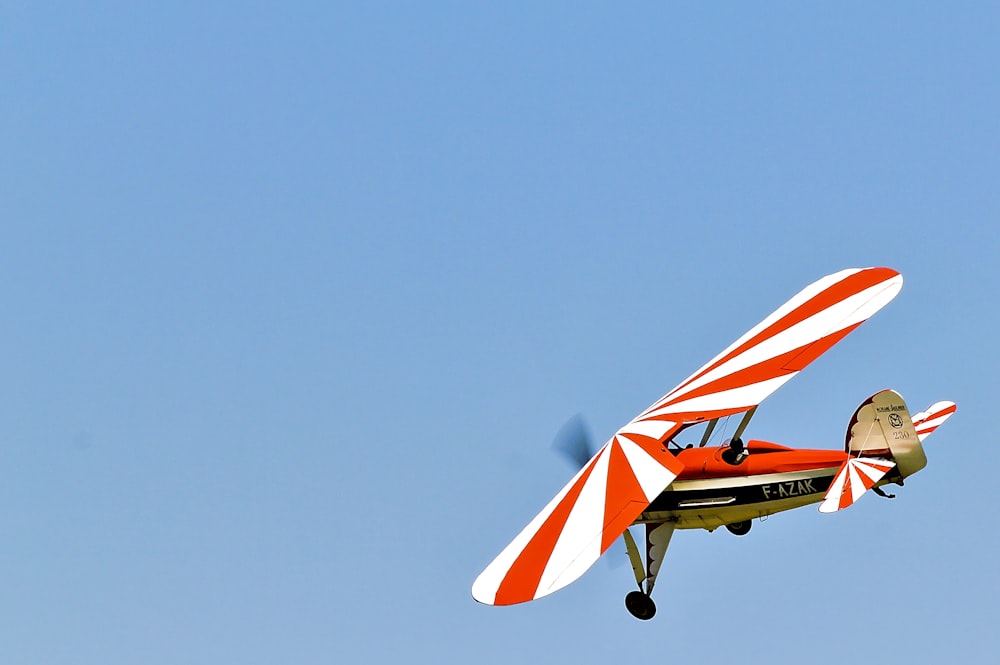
634	466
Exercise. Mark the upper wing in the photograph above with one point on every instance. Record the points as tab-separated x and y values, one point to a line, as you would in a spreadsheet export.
634	466
780	346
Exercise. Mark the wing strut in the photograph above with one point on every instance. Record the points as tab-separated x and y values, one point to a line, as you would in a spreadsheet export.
708	432
743	423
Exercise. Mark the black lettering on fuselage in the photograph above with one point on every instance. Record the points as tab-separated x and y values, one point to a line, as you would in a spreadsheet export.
791	488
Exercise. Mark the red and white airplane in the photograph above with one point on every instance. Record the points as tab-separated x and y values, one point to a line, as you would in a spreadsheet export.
641	476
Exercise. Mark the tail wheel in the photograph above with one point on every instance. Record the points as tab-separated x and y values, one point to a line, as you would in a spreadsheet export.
640	605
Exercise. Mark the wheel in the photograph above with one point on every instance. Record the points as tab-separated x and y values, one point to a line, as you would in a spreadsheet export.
740	528
640	605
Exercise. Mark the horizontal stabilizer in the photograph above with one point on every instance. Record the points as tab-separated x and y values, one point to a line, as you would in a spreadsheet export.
927	421
854	478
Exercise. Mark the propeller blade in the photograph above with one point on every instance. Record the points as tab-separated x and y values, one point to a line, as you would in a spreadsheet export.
573	442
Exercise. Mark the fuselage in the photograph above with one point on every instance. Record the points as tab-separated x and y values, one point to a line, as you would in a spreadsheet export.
710	492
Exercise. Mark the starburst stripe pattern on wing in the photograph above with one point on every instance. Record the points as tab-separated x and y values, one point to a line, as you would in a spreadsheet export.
927	421
780	346
583	520
856	476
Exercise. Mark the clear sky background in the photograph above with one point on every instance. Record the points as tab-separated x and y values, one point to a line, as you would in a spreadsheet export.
296	296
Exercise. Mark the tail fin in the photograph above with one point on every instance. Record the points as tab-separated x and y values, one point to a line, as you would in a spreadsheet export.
927	421
882	427
882	436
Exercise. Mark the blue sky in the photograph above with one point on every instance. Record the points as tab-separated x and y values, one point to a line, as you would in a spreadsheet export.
296	297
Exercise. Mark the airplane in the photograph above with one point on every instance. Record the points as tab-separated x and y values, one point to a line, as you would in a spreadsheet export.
643	476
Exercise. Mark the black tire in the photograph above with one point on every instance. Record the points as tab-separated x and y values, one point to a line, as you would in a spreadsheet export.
740	528
640	605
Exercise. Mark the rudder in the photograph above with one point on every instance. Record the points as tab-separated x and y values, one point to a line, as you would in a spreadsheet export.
882	427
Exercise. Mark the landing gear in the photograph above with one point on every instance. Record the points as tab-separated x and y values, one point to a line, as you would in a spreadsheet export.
740	528
640	605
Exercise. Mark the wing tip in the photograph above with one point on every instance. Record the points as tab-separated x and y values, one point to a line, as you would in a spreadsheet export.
890	272
483	592
889	277
888	284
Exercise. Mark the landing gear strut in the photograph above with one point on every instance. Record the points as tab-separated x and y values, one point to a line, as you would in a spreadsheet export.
640	605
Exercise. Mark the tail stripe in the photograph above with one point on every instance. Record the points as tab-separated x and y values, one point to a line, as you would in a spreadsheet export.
855	477
927	421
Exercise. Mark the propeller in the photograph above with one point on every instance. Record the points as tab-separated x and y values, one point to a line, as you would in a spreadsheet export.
575	444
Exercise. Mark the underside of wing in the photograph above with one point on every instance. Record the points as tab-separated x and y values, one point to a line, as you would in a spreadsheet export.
583	520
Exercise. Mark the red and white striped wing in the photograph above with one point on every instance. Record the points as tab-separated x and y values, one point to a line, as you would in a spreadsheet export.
927	421
856	476
780	346
582	521
611	491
